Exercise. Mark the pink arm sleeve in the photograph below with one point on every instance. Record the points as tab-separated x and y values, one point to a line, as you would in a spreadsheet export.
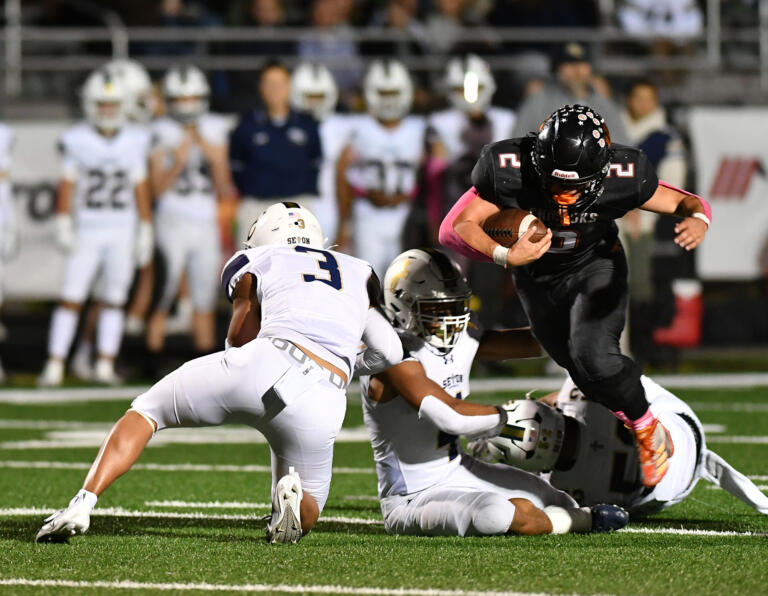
448	236
704	203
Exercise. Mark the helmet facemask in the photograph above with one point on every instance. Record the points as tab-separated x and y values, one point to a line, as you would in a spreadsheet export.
441	321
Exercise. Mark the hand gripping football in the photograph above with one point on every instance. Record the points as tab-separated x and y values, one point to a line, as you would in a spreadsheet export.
508	225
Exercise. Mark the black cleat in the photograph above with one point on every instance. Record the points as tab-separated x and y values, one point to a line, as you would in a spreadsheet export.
607	518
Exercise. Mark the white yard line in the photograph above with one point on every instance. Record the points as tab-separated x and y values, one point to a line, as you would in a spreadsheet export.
65	465
715	487
361	498
87	394
739	439
208	505
243	435
725	406
120	512
283	588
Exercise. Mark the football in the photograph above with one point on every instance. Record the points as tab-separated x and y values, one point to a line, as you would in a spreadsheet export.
506	226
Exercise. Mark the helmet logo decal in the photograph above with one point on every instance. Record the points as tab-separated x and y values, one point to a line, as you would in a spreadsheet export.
400	274
565	174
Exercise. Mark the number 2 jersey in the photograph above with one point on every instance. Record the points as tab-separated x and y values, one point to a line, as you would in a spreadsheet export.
105	171
412	454
505	175
315	298
192	195
606	469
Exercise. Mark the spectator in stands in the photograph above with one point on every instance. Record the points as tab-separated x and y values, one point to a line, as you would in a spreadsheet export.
399	16
275	152
672	19
650	280
573	83
331	43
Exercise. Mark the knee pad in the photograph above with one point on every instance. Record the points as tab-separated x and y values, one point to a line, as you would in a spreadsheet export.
492	515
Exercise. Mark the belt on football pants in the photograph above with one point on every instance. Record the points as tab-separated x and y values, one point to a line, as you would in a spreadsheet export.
300	357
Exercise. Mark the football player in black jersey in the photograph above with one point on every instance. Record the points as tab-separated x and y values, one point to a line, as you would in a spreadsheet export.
573	282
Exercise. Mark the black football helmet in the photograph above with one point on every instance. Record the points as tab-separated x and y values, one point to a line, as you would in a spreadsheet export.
572	156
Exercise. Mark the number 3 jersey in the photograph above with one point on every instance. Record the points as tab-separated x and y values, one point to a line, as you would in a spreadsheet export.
312	297
192	195
411	454
504	175
105	171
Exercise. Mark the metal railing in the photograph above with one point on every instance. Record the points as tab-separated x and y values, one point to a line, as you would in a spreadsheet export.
212	48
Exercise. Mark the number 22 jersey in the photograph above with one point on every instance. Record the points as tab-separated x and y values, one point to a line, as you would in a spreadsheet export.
105	171
505	175
313	297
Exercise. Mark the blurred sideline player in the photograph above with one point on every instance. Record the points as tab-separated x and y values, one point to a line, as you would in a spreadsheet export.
458	134
140	107
378	171
103	189
313	90
599	462
573	282
189	170
415	410
310	308
9	235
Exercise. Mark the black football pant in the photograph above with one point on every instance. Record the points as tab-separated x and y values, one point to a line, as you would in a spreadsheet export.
578	319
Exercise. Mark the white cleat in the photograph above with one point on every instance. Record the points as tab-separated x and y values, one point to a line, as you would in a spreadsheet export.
285	525
134	326
53	373
75	519
104	372
81	364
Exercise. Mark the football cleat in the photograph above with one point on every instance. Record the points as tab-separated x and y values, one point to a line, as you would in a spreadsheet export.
285	525
655	446
53	374
81	364
75	519
607	518
104	372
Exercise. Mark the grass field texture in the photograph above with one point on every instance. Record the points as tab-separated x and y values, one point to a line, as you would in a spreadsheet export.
187	520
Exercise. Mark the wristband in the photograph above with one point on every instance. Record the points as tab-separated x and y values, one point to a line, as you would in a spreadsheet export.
500	255
702	217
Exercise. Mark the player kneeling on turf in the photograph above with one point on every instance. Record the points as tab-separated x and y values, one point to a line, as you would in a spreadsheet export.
415	410
293	337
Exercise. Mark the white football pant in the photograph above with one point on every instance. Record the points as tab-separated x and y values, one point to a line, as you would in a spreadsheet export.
297	405
193	246
378	232
473	500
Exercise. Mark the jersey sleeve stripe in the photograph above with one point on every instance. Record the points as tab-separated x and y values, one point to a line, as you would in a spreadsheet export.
229	272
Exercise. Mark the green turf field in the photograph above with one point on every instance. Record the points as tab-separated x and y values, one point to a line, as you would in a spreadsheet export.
195	528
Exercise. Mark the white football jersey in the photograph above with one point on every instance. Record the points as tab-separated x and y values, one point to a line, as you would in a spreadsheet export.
607	468
193	195
313	297
411	454
386	159
105	171
335	133
449	126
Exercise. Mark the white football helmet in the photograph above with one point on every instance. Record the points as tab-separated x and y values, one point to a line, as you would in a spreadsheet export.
186	91
533	437
104	100
285	223
140	103
426	294
388	90
470	83
313	89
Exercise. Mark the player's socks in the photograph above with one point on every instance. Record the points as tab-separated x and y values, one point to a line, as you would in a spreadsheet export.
655	447
572	519
109	333
644	421
63	325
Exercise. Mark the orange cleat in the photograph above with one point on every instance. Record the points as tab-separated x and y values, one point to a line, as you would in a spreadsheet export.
655	446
